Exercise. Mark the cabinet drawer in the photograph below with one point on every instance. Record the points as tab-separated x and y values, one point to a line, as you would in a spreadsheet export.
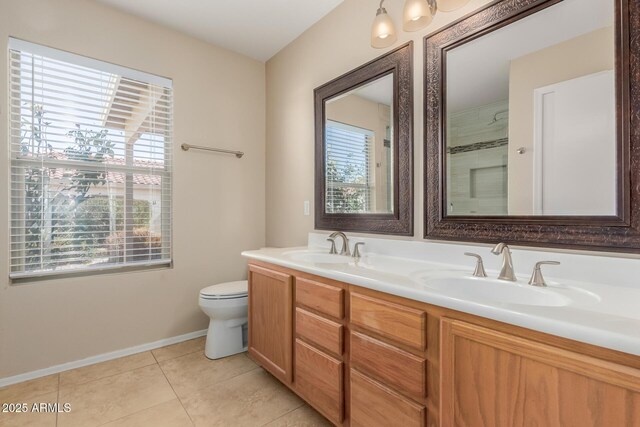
394	321
318	379
397	368
320	331
373	404
326	299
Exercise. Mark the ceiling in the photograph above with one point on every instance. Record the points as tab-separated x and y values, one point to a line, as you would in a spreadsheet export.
256	28
478	71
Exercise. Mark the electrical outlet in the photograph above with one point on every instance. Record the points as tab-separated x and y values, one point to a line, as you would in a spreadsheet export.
306	208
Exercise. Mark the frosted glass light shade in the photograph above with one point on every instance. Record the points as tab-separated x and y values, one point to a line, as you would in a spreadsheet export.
451	5
416	15
383	34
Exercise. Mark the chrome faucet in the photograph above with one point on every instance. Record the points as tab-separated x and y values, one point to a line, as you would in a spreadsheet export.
332	251
506	273
356	250
536	277
479	271
345	242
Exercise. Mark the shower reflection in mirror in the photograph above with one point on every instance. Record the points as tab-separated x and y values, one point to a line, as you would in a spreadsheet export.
531	116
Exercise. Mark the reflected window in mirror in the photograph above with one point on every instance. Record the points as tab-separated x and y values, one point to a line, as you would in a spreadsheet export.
530	119
358	153
364	147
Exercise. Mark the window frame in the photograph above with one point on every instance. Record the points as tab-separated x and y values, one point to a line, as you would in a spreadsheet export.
127	169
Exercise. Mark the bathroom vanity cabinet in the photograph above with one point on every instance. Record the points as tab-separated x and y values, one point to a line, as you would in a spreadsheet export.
509	380
271	321
366	358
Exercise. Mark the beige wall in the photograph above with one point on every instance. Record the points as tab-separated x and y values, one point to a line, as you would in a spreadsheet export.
357	111
336	44
218	200
587	54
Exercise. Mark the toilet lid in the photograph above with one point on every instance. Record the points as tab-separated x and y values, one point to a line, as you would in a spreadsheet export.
226	290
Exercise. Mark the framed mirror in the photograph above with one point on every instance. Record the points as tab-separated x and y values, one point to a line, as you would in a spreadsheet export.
528	109
363	148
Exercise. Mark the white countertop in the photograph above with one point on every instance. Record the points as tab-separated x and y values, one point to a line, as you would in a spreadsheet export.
609	317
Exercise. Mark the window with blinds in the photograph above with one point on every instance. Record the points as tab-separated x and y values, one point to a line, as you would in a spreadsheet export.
90	146
348	183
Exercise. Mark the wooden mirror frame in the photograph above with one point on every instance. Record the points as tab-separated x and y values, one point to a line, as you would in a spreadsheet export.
398	62
621	232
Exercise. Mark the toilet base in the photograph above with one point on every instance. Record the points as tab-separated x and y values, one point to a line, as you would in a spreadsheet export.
225	338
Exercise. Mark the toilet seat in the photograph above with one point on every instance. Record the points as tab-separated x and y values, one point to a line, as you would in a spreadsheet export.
229	290
226	305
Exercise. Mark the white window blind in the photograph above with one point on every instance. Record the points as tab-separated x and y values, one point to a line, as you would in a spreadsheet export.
91	164
348	183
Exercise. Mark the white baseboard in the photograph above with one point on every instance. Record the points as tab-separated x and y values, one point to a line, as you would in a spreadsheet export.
99	358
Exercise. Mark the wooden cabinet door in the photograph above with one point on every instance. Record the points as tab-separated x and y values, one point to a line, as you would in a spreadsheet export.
491	378
270	321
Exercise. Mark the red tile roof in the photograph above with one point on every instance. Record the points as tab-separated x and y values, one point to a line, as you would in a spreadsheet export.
114	177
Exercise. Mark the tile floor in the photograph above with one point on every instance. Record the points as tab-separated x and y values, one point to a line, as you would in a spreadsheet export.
171	386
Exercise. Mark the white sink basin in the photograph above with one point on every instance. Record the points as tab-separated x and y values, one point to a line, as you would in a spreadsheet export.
317	257
491	291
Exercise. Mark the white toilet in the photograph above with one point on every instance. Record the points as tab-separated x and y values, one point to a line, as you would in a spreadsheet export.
226	306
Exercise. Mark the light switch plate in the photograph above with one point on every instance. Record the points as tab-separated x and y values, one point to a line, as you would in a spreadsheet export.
306	208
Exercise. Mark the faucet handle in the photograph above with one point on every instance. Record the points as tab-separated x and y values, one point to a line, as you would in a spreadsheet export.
333	246
479	271
536	277
356	250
